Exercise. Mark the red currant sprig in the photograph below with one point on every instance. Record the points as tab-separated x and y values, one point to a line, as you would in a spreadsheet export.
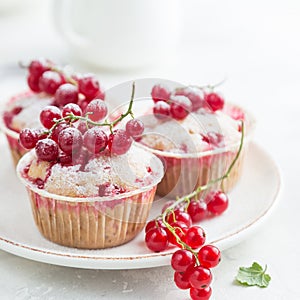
64	142
180	102
174	226
45	76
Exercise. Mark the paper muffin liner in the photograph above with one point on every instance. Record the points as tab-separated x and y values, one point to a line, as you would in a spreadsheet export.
184	175
91	225
90	222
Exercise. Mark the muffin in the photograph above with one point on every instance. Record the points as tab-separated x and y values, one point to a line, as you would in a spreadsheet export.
102	203
22	111
196	140
49	85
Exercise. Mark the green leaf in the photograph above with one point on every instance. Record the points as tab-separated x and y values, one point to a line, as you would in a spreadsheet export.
254	275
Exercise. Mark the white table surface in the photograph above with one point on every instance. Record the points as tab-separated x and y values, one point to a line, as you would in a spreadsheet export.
256	45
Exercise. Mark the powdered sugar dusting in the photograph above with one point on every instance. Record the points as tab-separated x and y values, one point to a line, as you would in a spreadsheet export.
186	135
129	171
29	116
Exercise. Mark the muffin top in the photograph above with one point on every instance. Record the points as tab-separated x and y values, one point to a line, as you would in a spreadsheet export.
23	110
100	175
201	130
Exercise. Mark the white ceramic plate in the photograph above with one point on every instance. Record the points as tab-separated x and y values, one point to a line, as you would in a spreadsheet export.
250	203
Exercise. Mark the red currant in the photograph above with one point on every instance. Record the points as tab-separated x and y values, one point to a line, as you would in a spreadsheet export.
209	256
154	224
96	110
195	237
70	140
48	116
38	67
50	81
66	93
180	230
181	281
197	210
46	150
181	216
200	294
58	128
182	259
199	277
95	140
160	93
195	98
28	138
161	110
217	202
180	107
119	142
33	83
71	108
135	128
157	239
215	101
89	86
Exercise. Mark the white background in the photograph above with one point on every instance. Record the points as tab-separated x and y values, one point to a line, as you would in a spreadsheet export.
256	45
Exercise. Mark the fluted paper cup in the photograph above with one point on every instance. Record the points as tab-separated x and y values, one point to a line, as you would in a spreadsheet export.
92	222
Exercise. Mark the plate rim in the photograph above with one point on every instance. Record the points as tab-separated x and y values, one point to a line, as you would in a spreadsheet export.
148	260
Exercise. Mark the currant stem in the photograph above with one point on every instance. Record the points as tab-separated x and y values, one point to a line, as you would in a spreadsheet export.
72	118
187	198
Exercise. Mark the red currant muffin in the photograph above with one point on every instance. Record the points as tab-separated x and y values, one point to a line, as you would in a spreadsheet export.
49	85
197	136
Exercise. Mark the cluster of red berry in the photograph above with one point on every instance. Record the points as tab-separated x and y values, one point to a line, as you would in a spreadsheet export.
45	76
69	143
175	227
180	102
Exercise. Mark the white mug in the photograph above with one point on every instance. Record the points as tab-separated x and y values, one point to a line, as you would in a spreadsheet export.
119	34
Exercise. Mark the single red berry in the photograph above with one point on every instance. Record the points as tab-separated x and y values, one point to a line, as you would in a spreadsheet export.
56	131
96	110
182	259
28	138
48	116
50	81
181	281
195	237
39	66
180	229
95	140
70	140
119	142
195	97
135	128
46	150
161	110
217	202
160	93
33	83
215	101
179	216
197	210
199	277
71	108
157	239
154	224
180	107
65	159
209	256
200	294
66	93
88	85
